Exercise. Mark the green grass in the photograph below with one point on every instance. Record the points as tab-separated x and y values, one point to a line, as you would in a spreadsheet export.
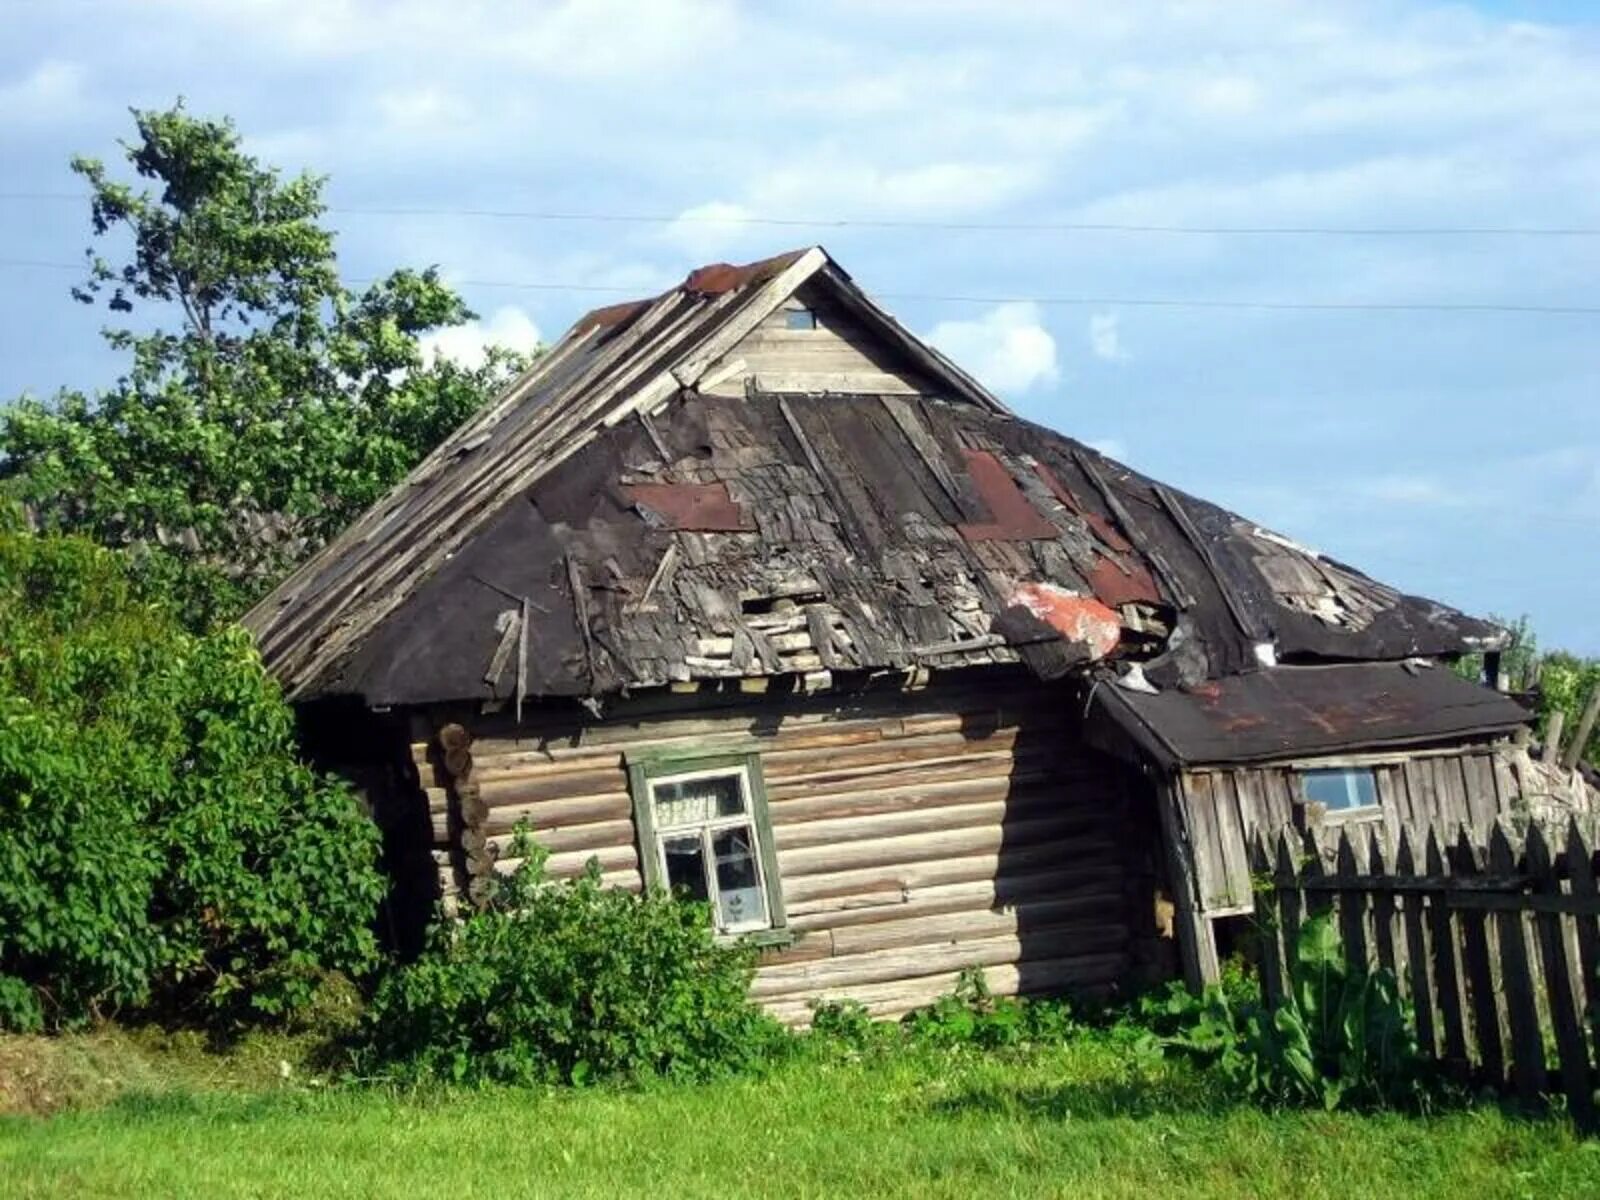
1084	1119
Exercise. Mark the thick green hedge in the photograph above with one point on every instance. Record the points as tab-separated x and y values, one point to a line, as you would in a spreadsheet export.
162	848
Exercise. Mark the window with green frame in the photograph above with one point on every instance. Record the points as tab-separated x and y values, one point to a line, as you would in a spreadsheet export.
704	833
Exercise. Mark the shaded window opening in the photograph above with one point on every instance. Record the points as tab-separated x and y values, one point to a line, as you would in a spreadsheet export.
800	318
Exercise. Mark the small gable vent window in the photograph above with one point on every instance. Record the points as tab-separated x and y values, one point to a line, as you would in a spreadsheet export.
800	318
1342	791
704	835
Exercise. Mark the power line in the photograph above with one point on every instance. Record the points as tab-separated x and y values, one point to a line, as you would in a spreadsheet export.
1044	301
911	223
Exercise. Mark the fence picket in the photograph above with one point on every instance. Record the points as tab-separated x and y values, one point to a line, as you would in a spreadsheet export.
1528	1072
1498	952
1312	871
1383	911
1352	903
1573	1055
1268	908
1287	877
1580	874
1478	972
1416	948
1447	975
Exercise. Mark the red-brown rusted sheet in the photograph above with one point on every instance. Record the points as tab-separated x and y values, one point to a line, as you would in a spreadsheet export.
1122	581
612	314
697	507
1014	516
1081	619
715	278
1103	529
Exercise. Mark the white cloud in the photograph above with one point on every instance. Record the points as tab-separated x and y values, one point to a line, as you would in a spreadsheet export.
468	344
709	229
51	89
1105	337
1007	348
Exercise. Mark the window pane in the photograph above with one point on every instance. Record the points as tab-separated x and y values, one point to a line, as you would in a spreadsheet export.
800	318
1337	790
738	878
686	867
684	801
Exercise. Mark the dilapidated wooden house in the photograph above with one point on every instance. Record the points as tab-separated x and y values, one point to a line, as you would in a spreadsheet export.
747	591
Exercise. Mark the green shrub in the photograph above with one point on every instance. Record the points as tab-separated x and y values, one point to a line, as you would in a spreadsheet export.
972	1015
566	983
161	846
1340	1037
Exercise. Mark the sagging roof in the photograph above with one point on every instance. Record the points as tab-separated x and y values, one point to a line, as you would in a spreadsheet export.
1305	711
652	530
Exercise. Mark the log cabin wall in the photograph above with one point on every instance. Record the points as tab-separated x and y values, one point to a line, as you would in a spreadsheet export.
916	835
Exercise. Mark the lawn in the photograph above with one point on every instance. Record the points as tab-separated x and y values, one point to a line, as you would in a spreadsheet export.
1084	1119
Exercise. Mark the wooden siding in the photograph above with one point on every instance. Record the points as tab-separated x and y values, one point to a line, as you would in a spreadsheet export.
913	839
840	355
1222	806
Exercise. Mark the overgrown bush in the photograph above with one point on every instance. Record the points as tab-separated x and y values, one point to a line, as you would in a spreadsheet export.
568	982
161	846
1340	1037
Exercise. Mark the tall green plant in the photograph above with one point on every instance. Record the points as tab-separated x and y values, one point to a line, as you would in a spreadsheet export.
1340	1036
262	404
161	846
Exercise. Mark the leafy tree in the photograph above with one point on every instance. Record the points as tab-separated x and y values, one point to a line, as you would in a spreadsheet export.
263	404
1561	681
161	846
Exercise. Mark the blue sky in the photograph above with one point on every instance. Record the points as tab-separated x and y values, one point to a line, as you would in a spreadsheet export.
1455	454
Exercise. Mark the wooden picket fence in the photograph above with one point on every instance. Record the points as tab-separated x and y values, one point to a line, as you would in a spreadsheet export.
1497	948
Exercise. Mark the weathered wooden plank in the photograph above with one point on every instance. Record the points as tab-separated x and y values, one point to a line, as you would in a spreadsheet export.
598	835
1384	914
1082	832
1527	1047
995	809
892	904
1267	920
881	966
1027	791
961	868
558	814
1447	992
1412	966
1572	1053
1086	915
1579	861
1478	973
893	999
1352	903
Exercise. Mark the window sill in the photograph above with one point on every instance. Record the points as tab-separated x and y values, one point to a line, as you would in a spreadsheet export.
1366	815
762	939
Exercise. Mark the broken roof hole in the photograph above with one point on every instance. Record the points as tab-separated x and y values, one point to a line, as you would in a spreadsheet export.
759	605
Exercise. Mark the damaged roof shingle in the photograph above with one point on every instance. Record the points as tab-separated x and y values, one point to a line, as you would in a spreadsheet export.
798	534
